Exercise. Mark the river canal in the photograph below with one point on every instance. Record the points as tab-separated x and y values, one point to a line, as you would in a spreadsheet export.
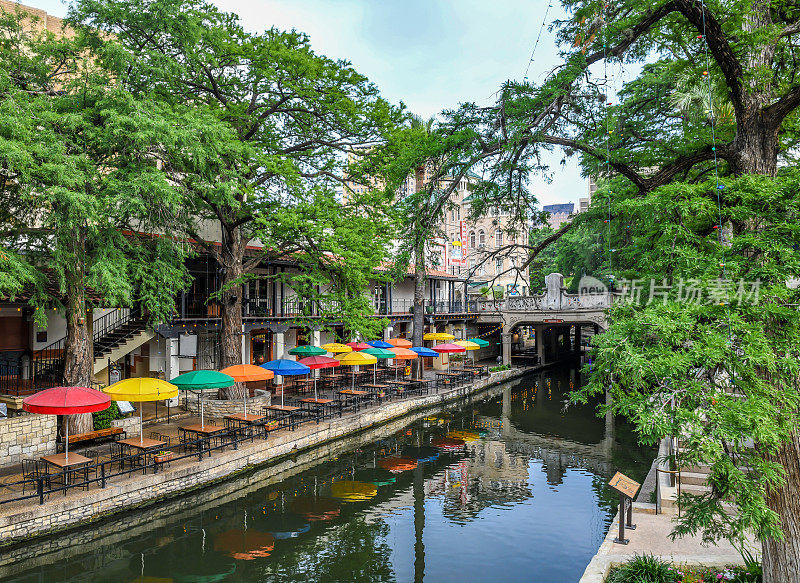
523	499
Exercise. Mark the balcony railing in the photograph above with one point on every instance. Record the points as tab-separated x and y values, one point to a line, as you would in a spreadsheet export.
197	306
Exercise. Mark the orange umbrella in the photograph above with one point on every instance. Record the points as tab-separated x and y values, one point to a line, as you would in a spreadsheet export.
400	342
448	443
244	545
401	354
316	508
244	373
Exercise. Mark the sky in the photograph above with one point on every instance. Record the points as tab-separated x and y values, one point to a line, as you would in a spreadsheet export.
429	54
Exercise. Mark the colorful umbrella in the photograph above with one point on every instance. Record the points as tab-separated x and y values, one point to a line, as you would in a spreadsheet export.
422	454
438	336
479	341
464	435
402	354
245	373
356	359
399	342
448	349
286	367
424	351
66	401
307	351
139	390
284	526
468	345
380	354
352	491
198	380
379	344
448	443
315	362
359	345
336	348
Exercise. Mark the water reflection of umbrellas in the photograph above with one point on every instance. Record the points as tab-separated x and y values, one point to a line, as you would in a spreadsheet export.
353	491
375	476
397	464
448	443
283	525
316	508
422	454
464	435
245	545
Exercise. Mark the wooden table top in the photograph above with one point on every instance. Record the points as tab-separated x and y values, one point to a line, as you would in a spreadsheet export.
60	460
449	374
375	386
145	443
400	382
354	392
419	380
316	401
285	408
246	418
197	428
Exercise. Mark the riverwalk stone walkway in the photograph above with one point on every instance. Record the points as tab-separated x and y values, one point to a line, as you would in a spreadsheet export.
22	520
651	537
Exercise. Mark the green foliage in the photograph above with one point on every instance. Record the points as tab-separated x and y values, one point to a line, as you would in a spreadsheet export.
500	368
644	569
102	419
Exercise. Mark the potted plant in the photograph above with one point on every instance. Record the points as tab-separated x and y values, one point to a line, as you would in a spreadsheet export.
163	457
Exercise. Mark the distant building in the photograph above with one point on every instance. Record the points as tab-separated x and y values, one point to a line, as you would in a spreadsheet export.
585	201
559	214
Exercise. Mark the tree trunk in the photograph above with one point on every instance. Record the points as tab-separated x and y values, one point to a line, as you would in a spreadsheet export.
78	361
419	304
756	145
781	558
232	252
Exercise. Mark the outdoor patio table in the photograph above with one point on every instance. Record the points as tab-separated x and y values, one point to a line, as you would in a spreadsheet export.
321	408
376	389
77	463
242	420
399	386
145	446
420	385
287	415
358	396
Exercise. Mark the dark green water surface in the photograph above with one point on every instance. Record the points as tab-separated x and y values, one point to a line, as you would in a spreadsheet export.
526	500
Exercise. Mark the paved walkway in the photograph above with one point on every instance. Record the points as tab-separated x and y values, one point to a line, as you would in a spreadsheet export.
651	537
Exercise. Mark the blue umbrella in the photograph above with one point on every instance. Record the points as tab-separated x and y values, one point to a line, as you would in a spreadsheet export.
379	344
285	367
425	352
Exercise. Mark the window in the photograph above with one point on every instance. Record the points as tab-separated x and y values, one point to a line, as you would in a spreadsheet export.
498	266
498	237
511	239
472	239
481	238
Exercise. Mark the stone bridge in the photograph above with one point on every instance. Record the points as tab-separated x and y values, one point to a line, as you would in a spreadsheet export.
556	316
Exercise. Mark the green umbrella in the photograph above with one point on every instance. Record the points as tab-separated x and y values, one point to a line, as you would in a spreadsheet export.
480	342
307	351
198	380
380	354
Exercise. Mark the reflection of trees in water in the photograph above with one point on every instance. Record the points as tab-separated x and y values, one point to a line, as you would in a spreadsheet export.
347	551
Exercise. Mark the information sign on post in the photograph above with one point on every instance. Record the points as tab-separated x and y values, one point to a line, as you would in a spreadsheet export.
627	489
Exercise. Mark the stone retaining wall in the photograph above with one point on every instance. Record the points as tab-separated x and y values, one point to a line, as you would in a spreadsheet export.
18	523
218	408
27	436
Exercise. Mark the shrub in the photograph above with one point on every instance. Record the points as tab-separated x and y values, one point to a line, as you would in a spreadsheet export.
644	569
499	368
103	419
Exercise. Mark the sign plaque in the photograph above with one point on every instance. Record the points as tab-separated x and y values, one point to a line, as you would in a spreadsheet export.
627	489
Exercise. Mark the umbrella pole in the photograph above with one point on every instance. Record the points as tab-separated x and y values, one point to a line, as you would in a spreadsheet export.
202	423
141	424
375	373
66	442
315	388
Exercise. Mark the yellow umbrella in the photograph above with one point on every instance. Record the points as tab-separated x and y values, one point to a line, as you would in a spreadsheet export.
356	359
336	347
438	336
139	390
469	346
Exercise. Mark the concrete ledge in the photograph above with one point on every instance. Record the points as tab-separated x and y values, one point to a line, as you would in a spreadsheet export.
22	522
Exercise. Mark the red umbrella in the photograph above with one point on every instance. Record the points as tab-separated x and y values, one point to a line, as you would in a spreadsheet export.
447	349
358	346
66	401
314	362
